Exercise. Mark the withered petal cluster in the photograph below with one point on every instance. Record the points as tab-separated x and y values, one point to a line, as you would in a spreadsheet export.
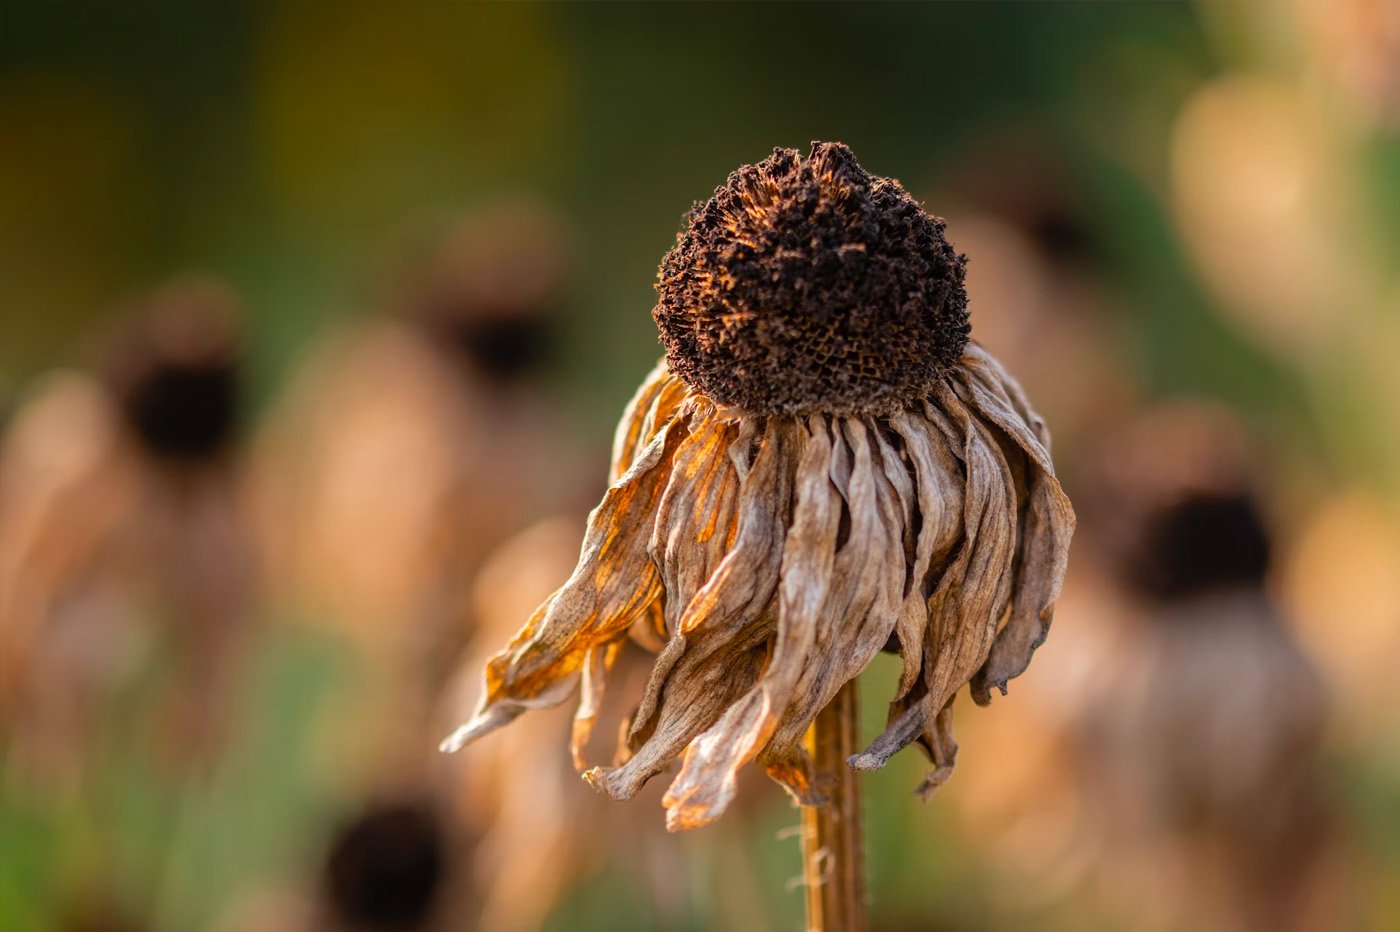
769	553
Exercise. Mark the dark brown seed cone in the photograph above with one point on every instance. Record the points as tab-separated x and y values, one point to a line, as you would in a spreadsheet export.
1204	541
807	285
175	372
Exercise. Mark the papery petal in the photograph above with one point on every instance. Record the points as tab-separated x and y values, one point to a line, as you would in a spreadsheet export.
592	686
942	750
706	783
744	582
981	367
701	688
861	605
653	406
970	596
937	474
613	582
1047	525
717	648
695	520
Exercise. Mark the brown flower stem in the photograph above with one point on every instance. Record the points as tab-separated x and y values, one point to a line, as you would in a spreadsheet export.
833	861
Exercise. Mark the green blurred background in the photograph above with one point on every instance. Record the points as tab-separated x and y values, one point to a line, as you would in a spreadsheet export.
290	150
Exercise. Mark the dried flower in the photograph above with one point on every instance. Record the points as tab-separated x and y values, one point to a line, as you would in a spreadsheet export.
121	497
821	467
1201	741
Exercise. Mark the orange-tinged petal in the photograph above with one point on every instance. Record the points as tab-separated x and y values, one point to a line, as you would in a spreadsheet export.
614	581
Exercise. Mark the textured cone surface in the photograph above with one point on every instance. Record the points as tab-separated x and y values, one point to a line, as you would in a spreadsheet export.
807	285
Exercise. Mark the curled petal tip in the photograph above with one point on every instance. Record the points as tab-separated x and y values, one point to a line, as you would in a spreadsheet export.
933	781
481	724
685	818
456	741
612	781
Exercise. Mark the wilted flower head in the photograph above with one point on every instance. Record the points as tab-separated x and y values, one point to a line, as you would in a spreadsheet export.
490	289
120	520
821	467
1201	741
175	373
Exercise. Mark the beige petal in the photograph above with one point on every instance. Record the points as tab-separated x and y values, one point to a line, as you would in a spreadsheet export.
939	487
971	595
706	783
703	685
981	367
596	664
861	605
613	582
1046	527
744	582
717	648
627	438
937	741
653	406
695	520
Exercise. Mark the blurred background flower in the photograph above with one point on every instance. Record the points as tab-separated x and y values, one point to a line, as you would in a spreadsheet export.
426	237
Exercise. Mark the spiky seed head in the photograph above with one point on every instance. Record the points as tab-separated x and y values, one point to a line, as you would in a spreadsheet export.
807	285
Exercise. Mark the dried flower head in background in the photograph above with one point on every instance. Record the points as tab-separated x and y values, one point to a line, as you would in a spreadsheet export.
822	466
490	289
121	529
175	375
408	446
1201	742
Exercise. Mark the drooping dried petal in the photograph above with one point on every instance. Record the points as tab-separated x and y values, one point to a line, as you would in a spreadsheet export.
937	475
971	594
650	409
614	581
717	648
694	524
861	605
772	556
706	782
1047	523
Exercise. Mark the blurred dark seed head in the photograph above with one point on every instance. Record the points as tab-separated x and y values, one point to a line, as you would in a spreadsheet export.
175	373
384	869
1061	234
1204	541
490	289
504	347
808	285
1022	175
1175	503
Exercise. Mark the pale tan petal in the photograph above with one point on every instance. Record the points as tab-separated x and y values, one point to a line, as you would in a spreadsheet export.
596	664
694	524
654	406
981	367
937	474
628	436
702	686
695	520
1046	527
717	648
861	605
942	750
706	783
971	595
613	582
744	582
